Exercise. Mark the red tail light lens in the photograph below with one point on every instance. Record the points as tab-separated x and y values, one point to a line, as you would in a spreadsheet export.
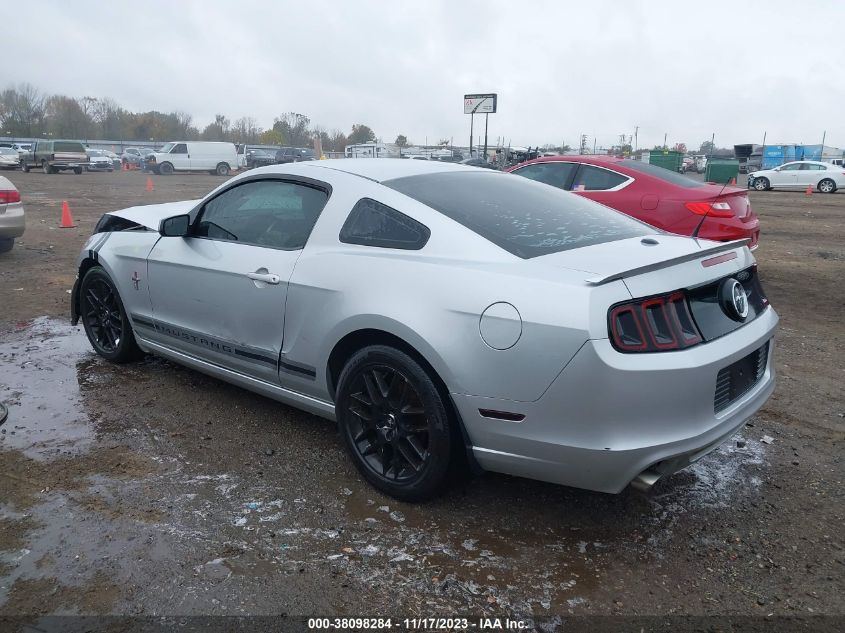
7	197
656	324
713	209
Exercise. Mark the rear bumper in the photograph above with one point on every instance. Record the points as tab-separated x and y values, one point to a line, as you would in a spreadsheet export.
12	221
609	417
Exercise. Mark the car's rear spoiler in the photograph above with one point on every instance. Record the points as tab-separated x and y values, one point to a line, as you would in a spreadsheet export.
719	248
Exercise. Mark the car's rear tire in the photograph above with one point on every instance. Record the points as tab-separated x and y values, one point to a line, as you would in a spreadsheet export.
222	169
165	169
395	423
45	167
827	186
6	244
77	170
25	168
104	318
761	183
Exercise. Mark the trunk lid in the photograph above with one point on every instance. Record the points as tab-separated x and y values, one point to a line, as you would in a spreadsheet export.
654	264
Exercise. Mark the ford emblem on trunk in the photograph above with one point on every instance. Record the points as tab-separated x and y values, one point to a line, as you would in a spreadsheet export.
733	299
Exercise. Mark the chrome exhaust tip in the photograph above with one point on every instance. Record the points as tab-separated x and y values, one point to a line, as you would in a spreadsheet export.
645	480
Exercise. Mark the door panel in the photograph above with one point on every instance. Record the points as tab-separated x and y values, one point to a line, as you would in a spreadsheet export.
220	293
180	158
205	304
787	177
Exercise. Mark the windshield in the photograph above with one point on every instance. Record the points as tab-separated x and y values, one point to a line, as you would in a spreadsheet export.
164	150
525	218
7	150
662	173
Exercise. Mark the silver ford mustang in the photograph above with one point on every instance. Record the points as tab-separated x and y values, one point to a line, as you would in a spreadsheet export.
445	316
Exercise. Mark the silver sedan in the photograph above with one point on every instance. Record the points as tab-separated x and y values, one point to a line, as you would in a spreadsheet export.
12	218
446	316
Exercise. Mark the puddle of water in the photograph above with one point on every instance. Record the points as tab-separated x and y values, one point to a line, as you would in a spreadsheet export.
41	368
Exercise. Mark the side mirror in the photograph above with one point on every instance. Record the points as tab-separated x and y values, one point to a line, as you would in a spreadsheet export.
177	226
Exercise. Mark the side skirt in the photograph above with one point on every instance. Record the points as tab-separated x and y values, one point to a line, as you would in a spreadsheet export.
300	401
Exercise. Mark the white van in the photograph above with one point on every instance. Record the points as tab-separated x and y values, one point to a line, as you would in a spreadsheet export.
215	158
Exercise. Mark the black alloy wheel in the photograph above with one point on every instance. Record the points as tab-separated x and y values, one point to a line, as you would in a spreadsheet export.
104	318
394	423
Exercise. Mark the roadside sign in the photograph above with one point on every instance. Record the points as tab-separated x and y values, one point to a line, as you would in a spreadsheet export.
480	104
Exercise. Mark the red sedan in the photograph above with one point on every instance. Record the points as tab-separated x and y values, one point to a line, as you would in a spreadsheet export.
655	195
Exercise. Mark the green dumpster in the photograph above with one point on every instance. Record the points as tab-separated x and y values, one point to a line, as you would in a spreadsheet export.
721	171
668	159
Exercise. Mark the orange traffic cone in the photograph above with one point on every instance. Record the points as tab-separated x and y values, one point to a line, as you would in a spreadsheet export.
125	165
809	190
67	218
150	186
733	181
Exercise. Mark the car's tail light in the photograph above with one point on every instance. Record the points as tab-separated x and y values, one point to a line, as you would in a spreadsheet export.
655	324
713	209
8	197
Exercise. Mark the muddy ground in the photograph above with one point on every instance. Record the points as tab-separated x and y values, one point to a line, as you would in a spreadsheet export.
152	489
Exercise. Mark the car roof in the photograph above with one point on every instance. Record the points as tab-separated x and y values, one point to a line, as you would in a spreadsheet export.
381	169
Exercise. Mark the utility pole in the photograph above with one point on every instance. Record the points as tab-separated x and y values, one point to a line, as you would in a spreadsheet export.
821	152
486	116
665	135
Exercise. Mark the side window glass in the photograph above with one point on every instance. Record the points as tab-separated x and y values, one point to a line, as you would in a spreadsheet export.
791	167
268	213
371	223
591	178
179	148
553	173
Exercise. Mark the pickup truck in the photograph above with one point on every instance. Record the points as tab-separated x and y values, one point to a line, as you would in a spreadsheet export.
55	156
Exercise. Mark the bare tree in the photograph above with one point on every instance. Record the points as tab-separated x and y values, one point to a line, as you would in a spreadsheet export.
22	110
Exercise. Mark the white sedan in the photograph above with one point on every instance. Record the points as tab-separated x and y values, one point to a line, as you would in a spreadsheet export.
9	158
823	177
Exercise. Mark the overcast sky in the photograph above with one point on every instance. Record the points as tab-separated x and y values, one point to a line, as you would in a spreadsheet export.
561	69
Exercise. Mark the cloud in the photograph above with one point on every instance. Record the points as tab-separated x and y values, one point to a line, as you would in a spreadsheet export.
560	69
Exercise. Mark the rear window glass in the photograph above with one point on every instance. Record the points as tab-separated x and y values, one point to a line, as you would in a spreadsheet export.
67	146
659	172
372	223
526	218
592	178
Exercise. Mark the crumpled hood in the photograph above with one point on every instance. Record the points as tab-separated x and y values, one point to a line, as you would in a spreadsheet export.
151	215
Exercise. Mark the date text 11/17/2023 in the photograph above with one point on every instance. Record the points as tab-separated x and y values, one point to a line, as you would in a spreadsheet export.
417	624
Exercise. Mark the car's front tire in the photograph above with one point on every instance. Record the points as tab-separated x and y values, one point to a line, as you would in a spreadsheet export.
165	169
6	244
394	423
827	186
761	183
104	318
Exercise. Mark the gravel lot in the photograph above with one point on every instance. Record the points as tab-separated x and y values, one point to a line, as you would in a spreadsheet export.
152	489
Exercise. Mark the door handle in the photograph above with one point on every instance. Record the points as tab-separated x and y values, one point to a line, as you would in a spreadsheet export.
267	278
